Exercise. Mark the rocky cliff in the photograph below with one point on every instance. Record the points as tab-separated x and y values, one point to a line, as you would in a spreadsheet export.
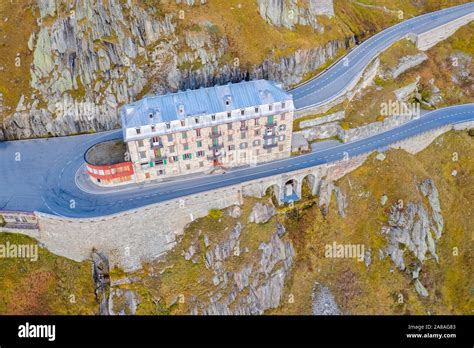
92	56
288	13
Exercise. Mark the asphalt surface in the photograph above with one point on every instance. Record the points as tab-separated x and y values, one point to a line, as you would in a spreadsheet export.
45	181
39	175
330	84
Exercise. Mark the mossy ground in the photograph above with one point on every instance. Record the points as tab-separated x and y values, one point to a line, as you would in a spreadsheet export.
438	68
379	288
50	285
17	22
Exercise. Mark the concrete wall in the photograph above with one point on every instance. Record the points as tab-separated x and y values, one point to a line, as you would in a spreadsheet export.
133	237
430	38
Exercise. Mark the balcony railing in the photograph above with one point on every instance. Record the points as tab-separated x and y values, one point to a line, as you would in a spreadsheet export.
269	135
244	128
216	146
214	135
214	156
157	144
269	146
271	125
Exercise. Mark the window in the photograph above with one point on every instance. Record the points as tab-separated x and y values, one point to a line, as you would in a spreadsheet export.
198	132
270	107
270	120
152	128
182	123
138	130
200	154
213	117
230	138
168	125
142	154
256	121
140	143
282	117
188	166
256	109
282	105
229	115
242	112
170	137
173	159
280	147
231	147
243	135
256	142
160	172
229	126
257	132
187	156
201	164
243	145
199	143
185	146
196	120
184	135
171	149
282	127
281	138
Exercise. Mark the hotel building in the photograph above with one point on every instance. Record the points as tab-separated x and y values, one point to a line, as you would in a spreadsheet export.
198	130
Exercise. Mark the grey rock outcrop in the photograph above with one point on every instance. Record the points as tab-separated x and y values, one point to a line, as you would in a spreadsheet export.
429	190
256	287
86	64
410	229
420	289
404	64
234	211
341	201
261	213
323	301
288	13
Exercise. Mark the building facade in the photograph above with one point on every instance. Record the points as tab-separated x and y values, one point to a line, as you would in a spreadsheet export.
200	130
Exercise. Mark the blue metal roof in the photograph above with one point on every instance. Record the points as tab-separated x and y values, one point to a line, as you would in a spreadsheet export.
203	101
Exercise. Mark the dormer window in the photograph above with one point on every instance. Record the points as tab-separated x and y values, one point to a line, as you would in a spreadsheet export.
182	123
168	125
256	110
138	130
181	109
283	105
213	117
229	115
196	120
270	107
242	112
152	128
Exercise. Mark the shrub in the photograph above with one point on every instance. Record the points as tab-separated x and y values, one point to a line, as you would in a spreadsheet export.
215	214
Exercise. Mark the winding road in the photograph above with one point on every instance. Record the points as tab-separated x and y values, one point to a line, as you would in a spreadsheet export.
39	174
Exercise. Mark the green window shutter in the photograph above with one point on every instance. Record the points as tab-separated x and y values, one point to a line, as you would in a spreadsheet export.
270	119
184	157
164	162
190	155
152	164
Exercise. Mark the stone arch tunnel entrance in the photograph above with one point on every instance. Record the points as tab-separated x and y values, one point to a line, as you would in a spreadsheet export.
291	191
